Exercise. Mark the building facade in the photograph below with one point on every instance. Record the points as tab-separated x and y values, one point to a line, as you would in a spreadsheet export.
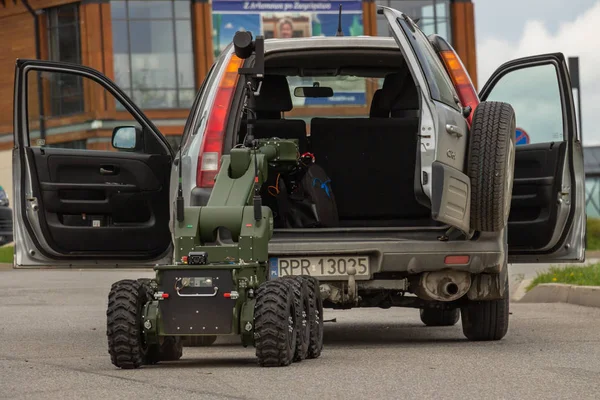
159	51
591	158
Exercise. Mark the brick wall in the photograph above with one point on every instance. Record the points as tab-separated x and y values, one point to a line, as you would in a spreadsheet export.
18	42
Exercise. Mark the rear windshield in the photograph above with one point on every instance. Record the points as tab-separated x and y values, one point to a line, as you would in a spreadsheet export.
352	97
347	91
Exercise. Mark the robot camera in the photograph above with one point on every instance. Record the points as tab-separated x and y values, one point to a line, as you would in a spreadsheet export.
243	44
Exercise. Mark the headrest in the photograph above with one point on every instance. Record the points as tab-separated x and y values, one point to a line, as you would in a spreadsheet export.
274	95
376	110
399	93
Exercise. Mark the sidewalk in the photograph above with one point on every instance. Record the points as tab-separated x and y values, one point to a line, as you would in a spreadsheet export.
557	292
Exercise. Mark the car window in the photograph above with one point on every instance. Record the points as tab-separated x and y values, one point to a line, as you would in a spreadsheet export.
535	96
439	84
197	106
347	91
68	111
446	92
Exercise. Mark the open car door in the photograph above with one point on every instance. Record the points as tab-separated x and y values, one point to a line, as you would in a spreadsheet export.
104	200
449	197
547	221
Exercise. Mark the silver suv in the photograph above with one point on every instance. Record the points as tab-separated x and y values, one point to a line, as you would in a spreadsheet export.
436	189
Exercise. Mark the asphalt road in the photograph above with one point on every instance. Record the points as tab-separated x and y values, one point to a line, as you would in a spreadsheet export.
53	345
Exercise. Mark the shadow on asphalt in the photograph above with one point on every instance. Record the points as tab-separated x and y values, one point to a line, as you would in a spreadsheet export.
187	362
336	335
344	334
389	334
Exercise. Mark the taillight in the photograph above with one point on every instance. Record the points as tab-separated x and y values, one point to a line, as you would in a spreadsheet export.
209	157
456	260
461	80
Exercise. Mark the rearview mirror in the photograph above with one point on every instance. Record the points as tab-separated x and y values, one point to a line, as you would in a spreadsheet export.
127	138
313	91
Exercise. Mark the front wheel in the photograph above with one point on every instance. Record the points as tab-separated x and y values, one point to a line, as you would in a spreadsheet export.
276	324
126	343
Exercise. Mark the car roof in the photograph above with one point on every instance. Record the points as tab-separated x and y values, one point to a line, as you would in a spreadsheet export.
316	42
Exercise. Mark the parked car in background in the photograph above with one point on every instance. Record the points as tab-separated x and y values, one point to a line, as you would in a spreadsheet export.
6	219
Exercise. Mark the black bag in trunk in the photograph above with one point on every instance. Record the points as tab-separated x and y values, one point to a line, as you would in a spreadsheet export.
311	203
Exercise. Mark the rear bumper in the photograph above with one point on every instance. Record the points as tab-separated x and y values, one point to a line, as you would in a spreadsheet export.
411	256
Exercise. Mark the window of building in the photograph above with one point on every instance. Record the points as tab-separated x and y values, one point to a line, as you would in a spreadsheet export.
64	44
75	144
592	196
433	15
153	52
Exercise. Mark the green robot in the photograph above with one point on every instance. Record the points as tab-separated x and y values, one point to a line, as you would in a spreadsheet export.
219	284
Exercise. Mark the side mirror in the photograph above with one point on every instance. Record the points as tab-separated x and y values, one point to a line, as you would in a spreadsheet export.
127	138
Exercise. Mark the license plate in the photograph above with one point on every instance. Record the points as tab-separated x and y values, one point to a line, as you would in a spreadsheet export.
321	267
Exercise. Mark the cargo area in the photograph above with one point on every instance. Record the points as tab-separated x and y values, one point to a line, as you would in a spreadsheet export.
369	154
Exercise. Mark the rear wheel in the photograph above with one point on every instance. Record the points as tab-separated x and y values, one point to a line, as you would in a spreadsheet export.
491	165
275	323
315	345
434	317
126	343
169	348
486	320
303	301
199	341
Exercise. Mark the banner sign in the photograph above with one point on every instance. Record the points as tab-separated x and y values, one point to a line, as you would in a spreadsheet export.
286	6
291	19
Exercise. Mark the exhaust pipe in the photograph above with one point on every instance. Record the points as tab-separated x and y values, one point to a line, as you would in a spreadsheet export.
445	285
449	289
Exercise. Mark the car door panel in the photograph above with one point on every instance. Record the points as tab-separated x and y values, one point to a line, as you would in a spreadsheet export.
74	196
92	206
534	206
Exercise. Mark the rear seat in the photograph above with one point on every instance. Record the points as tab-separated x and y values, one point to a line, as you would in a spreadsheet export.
371	161
274	99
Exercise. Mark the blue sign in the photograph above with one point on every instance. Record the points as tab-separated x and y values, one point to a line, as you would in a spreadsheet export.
273	270
337	98
521	137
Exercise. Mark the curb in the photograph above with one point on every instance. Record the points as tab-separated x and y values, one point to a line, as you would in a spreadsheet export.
592	254
519	291
4	266
588	296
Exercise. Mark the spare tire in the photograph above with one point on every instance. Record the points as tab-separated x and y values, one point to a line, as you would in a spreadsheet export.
491	161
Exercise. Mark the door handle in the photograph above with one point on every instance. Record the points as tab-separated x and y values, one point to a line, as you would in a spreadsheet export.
108	170
454	130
